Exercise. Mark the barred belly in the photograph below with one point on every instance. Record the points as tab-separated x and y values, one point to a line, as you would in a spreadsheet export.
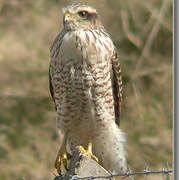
85	96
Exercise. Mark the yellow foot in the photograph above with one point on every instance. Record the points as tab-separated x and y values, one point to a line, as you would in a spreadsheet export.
61	163
88	152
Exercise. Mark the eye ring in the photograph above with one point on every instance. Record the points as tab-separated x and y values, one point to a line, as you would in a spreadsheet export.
83	13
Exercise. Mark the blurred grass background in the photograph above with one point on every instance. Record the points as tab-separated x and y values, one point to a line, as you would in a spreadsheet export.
142	32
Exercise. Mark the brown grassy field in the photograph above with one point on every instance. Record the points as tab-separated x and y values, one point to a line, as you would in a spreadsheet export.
142	32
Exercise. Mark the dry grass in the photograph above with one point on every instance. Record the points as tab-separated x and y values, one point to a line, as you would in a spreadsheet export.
142	32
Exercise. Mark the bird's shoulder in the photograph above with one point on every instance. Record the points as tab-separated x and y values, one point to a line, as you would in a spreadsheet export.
57	43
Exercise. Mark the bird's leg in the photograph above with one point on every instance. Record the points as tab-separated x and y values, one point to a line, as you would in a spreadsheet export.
62	160
88	152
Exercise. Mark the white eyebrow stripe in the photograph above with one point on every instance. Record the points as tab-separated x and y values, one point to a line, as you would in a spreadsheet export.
77	8
88	9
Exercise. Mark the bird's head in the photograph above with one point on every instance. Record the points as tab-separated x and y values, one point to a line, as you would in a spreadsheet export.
78	16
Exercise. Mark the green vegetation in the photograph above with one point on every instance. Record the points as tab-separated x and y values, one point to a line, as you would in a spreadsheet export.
142	32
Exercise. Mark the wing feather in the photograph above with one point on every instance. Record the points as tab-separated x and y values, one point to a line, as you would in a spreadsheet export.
117	86
54	51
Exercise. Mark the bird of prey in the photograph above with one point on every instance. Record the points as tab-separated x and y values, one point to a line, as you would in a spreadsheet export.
86	86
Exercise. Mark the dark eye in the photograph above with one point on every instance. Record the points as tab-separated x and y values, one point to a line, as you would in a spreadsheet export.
83	13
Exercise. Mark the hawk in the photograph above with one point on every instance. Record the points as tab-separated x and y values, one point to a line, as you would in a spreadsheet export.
86	86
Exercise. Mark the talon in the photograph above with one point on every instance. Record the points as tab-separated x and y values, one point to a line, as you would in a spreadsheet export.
58	165
88	152
65	161
61	160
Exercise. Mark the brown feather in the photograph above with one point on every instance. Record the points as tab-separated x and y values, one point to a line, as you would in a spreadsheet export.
117	87
54	50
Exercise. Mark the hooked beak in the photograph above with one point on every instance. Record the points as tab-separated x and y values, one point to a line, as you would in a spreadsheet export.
67	18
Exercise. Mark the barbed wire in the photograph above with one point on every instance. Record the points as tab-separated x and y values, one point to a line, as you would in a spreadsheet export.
127	174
